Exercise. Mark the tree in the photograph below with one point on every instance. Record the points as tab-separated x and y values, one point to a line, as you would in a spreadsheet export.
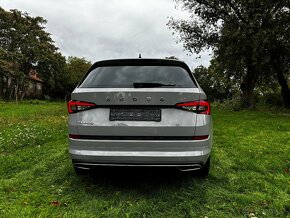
9	66
249	39
24	43
215	82
76	69
52	70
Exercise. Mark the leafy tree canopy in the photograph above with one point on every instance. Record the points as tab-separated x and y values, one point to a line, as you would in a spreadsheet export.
250	39
25	43
76	69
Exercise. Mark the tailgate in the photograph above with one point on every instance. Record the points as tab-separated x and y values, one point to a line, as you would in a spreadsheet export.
173	122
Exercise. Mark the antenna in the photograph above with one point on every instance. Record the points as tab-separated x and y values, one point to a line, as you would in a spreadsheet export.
140	56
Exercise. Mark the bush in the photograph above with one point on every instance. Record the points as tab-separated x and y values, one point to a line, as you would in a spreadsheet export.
271	99
233	104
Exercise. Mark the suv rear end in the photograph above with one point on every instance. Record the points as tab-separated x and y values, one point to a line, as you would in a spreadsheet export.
139	112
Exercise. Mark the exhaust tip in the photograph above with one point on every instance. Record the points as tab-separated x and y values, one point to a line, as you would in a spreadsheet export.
190	168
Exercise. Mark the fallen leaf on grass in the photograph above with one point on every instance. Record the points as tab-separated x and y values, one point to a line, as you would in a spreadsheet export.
55	203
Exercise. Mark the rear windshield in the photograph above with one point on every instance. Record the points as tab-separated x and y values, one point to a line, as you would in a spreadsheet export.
126	76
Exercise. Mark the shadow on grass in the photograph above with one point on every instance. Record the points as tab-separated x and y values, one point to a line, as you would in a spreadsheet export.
145	182
135	176
140	189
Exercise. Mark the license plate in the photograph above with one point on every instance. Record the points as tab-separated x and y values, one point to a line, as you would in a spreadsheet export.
135	114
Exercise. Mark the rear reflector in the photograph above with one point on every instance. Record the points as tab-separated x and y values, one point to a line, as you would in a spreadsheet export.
200	107
73	136
76	106
200	137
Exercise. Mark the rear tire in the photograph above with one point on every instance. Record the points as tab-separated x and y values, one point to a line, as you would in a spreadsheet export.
81	172
204	171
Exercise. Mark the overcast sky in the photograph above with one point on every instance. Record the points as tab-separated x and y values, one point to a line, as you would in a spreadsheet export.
106	29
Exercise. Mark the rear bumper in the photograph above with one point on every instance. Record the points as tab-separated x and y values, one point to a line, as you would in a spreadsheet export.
175	153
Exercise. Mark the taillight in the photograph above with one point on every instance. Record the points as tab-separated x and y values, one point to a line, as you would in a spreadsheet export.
200	107
76	106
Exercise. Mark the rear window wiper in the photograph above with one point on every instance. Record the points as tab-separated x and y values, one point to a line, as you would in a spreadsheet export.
151	85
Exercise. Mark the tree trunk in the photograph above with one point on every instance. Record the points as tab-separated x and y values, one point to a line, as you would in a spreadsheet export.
247	87
9	88
7	85
11	92
16	92
1	87
285	91
247	96
22	91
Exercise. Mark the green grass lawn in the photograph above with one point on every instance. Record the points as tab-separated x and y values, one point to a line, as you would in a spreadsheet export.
249	173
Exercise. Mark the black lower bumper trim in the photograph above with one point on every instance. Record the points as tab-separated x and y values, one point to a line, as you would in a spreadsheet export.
93	137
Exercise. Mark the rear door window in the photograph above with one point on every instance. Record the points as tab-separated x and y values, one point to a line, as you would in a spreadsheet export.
126	76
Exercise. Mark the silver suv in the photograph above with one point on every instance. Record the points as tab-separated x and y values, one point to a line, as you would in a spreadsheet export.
140	112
